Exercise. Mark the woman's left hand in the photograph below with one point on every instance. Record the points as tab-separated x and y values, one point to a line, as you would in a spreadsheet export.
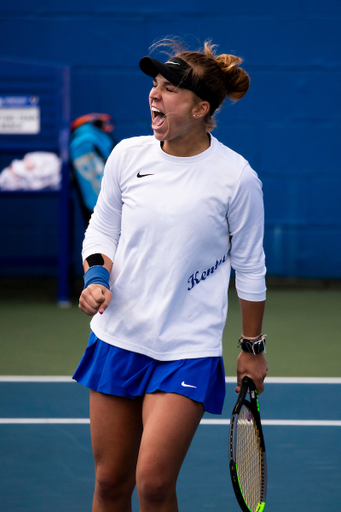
255	367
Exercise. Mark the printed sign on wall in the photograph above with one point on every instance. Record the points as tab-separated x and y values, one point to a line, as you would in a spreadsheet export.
19	115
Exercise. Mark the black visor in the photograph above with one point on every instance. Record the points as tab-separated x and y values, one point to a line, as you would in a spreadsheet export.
178	72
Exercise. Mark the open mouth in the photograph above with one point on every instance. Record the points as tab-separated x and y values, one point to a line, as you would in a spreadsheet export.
158	118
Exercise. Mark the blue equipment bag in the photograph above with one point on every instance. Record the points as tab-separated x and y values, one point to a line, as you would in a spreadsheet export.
90	146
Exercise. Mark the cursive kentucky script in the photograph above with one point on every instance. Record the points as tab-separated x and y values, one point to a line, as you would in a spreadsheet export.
197	277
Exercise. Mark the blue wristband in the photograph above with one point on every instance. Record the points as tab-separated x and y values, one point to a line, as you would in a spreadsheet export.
97	275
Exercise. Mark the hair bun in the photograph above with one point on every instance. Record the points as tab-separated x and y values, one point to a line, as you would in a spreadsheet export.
237	81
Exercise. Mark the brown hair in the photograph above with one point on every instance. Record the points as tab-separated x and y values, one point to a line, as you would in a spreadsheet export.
221	74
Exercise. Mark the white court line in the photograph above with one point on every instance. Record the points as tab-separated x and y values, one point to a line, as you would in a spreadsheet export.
35	378
80	421
44	421
284	423
294	380
229	380
86	421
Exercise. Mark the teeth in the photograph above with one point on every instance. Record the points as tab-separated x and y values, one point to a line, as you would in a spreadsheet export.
155	109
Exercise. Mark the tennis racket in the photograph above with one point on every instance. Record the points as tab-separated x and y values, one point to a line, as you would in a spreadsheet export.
247	451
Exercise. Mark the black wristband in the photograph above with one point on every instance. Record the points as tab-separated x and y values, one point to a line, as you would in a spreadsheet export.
95	259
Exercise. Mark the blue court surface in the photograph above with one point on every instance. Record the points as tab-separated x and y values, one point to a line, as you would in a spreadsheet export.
46	460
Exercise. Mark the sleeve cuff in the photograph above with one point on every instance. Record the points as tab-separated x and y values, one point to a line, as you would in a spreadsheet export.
251	286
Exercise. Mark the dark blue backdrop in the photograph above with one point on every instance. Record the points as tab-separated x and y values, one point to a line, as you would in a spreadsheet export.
288	125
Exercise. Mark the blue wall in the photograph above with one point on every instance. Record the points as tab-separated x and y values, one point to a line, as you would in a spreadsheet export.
288	125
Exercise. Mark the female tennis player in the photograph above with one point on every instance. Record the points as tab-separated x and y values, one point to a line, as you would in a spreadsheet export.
175	212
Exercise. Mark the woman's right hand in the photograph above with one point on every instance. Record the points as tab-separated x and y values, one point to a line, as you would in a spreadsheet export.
94	299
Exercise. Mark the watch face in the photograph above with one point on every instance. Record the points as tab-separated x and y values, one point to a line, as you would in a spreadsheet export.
253	347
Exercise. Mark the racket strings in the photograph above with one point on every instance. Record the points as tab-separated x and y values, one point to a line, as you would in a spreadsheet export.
248	459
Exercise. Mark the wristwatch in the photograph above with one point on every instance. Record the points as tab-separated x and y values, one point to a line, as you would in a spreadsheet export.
255	346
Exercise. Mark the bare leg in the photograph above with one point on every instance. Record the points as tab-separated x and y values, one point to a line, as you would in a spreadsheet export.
116	428
169	424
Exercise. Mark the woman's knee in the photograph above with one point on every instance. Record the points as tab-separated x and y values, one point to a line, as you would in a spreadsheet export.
113	485
154	484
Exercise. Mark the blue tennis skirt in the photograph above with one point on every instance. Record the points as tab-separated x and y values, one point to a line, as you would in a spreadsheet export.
114	371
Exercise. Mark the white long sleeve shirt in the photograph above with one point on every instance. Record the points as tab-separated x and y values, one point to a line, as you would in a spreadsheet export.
173	228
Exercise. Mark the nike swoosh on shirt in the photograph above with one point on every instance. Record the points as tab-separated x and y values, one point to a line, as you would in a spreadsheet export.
187	385
143	175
